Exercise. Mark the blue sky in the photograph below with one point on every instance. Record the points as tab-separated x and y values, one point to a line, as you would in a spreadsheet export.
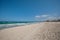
29	10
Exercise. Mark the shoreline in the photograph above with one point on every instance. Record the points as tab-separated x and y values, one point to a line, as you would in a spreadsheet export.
37	31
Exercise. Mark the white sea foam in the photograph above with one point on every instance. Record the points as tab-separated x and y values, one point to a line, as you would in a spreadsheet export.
12	25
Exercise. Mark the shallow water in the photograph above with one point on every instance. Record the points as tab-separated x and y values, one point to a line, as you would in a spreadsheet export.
3	26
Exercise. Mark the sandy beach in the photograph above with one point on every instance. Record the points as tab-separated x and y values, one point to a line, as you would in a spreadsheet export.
37	31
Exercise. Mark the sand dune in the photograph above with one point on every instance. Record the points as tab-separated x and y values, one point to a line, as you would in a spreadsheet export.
38	31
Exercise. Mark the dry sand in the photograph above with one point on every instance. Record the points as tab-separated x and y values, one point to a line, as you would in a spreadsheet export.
38	31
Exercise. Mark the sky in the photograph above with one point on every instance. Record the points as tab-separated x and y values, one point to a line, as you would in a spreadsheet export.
29	10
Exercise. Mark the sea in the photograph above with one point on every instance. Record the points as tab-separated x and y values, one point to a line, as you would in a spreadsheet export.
4	25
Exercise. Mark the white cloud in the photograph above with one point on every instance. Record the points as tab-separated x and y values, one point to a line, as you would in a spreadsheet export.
44	15
41	16
53	18
37	16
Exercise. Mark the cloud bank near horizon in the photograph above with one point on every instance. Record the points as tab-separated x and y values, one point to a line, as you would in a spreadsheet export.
46	17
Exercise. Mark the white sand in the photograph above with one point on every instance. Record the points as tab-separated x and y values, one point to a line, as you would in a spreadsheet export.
38	31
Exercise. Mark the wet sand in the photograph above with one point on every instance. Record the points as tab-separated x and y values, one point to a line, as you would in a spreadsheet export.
38	31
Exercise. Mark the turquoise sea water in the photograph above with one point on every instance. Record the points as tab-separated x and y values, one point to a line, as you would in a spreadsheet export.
4	25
